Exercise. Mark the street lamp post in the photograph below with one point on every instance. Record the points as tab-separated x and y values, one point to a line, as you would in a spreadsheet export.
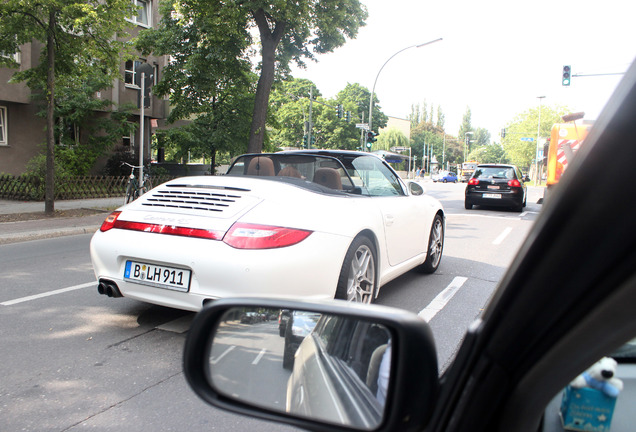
466	144
376	77
536	156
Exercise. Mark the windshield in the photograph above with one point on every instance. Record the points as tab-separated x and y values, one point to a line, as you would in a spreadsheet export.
356	173
495	173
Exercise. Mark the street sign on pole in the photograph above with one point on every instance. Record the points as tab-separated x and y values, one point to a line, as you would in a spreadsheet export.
362	125
527	139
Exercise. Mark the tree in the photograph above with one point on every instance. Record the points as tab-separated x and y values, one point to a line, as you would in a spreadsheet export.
441	118
489	153
524	125
481	137
209	80
466	125
391	138
289	103
77	37
291	31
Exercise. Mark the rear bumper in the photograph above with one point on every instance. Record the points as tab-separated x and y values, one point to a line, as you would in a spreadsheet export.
508	198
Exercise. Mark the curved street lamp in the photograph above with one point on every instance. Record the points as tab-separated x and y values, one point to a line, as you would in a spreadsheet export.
376	77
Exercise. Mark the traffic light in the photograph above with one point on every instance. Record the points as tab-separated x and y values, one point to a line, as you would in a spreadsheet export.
567	76
371	138
348	116
503	133
339	111
305	141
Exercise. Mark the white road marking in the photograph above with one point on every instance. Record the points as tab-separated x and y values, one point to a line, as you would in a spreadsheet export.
47	294
438	303
227	351
502	236
259	356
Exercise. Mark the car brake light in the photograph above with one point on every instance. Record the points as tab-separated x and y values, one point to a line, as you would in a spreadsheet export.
109	222
473	181
250	236
112	222
514	183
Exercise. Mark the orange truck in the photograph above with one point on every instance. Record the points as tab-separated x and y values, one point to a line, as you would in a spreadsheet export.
565	141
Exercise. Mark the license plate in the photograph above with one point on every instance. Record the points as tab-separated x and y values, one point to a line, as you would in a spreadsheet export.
495	196
157	276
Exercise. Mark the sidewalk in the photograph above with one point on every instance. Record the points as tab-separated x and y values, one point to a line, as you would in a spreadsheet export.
13	232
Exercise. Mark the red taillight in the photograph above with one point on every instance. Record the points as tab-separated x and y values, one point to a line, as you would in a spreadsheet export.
473	181
112	222
109	222
514	183
250	236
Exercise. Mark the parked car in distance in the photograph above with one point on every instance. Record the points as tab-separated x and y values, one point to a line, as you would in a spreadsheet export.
445	177
250	318
496	185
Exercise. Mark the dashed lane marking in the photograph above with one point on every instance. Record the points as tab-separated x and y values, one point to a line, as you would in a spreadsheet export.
47	294
438	303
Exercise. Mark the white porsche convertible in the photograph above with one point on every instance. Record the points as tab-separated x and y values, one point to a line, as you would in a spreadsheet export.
313	224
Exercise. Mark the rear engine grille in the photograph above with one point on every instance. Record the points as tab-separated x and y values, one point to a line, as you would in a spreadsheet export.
192	199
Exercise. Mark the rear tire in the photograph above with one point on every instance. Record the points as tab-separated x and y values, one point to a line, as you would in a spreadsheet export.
435	247
358	276
467	205
129	193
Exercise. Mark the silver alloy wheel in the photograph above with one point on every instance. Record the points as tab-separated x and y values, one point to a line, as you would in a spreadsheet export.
436	243
361	280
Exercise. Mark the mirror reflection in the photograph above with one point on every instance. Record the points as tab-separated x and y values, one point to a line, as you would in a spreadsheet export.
326	367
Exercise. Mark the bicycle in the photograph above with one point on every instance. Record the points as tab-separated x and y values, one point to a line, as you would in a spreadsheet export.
133	189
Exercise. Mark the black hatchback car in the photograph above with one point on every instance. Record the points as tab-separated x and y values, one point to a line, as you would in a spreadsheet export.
496	185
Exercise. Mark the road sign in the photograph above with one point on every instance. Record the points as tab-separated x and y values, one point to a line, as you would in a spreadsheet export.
527	139
398	149
362	125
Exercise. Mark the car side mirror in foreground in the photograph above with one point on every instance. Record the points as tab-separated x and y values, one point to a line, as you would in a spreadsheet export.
336	365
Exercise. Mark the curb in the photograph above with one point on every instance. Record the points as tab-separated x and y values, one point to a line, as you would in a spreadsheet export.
48	233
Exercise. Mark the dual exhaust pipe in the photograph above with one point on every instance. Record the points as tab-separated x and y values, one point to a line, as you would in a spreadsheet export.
108	288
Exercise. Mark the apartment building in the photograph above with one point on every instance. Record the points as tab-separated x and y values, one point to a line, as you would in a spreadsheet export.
22	131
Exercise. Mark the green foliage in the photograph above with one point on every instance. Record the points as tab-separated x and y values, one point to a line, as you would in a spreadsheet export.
466	125
524	125
289	108
209	80
489	153
391	138
83	36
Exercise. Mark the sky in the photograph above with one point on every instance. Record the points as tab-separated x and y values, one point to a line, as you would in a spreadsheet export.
496	57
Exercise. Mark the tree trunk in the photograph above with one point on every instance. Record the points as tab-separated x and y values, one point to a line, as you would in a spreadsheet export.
49	191
269	43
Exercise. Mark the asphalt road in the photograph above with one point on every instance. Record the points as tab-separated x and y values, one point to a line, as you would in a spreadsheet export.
72	360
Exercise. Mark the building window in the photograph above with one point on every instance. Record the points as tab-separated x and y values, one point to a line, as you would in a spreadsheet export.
3	126
128	141
131	71
143	17
15	57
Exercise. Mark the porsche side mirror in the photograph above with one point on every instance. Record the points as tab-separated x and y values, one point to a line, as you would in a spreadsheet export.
339	365
415	188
